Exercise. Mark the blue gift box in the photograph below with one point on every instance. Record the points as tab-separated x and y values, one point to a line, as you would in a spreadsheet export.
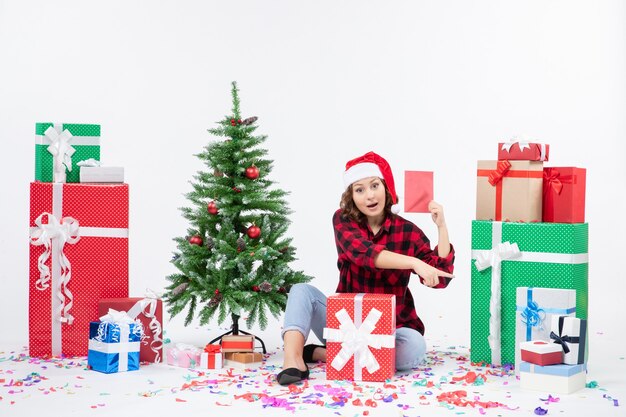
114	347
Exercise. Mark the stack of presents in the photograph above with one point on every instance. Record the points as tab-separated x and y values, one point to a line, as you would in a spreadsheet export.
529	291
235	351
78	275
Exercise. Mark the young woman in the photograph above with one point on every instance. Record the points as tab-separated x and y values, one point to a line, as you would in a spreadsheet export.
378	250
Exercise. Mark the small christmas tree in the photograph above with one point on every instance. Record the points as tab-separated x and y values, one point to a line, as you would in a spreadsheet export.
235	258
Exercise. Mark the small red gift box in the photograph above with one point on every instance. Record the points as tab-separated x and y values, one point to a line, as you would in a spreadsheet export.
78	254
523	151
149	311
370	320
564	194
212	357
238	343
541	353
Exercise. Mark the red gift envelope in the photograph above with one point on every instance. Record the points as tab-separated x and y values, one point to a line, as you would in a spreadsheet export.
418	191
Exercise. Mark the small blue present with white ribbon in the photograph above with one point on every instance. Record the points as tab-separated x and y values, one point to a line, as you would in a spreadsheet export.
535	308
114	343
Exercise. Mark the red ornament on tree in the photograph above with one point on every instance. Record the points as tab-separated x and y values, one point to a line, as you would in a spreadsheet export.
282	290
237	190
212	208
196	240
253	231
233	122
217	291
256	288
252	172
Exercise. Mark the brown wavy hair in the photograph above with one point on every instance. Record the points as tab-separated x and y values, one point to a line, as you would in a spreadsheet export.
349	209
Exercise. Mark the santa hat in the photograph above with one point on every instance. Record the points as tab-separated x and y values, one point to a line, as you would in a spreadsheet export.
371	165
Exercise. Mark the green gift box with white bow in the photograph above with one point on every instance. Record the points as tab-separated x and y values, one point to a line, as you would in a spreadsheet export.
506	256
60	147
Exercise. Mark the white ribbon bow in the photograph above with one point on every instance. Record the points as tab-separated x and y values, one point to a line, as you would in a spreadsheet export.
503	251
357	341
61	150
64	231
89	163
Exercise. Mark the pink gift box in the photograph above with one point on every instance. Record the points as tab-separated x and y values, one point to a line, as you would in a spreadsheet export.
184	356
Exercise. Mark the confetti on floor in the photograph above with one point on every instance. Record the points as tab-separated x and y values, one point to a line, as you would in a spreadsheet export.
447	383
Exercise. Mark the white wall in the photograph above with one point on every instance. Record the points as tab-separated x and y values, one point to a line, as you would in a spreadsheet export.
430	85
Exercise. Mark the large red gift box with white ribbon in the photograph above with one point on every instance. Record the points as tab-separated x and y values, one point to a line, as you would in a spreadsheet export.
149	311
360	337
78	255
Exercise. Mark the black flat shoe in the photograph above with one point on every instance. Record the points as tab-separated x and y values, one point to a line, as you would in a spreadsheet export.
292	375
307	352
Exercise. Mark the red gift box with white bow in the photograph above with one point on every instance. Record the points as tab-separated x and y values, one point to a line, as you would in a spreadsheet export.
360	337
78	255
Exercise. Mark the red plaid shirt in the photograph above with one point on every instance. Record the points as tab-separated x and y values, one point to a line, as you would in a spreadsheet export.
357	248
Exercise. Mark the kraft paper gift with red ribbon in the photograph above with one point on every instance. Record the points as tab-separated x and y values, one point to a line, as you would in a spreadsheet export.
212	357
148	310
523	151
509	191
540	352
360	337
564	194
418	191
238	343
78	255
183	355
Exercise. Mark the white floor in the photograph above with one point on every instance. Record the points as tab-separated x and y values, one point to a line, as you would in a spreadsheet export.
65	387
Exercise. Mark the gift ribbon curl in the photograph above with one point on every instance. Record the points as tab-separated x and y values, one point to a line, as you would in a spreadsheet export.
46	234
147	306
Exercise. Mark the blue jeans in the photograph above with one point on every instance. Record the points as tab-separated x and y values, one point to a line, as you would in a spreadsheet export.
306	311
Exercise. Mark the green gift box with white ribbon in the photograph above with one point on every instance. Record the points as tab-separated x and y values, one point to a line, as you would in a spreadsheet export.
59	148
506	256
